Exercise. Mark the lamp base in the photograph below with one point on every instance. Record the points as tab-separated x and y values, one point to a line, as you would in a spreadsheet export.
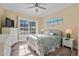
68	36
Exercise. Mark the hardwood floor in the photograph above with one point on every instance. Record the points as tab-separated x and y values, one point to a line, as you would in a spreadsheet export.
21	49
63	51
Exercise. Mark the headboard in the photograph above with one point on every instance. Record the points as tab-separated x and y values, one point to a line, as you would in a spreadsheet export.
54	32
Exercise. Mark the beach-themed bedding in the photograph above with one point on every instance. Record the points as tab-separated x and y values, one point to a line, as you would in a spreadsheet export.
43	43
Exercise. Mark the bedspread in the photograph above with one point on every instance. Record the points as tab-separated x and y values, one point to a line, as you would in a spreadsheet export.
43	43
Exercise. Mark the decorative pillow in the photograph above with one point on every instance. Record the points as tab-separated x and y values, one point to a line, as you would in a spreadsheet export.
55	34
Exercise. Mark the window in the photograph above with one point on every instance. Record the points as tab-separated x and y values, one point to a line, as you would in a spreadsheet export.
27	26
55	21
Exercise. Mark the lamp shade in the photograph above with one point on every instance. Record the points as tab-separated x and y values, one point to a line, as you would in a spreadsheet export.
68	31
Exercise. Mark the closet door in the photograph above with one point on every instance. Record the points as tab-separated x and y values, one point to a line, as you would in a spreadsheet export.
32	27
26	27
23	29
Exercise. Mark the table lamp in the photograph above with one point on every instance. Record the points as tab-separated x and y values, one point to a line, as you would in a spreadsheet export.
68	33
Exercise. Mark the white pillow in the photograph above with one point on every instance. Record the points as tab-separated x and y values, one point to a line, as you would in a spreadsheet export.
50	33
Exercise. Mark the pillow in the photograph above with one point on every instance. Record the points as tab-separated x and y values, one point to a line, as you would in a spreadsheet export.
51	33
55	34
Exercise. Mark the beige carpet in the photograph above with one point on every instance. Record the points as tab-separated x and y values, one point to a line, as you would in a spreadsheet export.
21	49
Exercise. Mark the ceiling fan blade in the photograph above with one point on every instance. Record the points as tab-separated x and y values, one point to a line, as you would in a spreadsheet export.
31	7
31	4
42	3
41	7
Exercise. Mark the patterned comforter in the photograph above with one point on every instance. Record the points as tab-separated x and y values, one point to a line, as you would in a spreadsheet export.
43	44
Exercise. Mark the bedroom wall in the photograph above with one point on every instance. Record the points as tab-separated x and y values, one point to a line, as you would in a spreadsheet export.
1	16
71	20
40	24
1	49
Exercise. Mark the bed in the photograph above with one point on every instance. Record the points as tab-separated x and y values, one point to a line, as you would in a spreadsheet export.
43	43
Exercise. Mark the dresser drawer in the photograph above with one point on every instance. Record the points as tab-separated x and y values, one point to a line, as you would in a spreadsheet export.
67	43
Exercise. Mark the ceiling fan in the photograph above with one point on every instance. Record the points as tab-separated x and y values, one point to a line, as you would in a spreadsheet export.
36	6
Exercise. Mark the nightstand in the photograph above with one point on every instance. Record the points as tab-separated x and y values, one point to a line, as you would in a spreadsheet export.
68	42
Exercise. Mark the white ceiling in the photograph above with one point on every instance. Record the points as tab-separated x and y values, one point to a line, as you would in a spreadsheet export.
22	8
